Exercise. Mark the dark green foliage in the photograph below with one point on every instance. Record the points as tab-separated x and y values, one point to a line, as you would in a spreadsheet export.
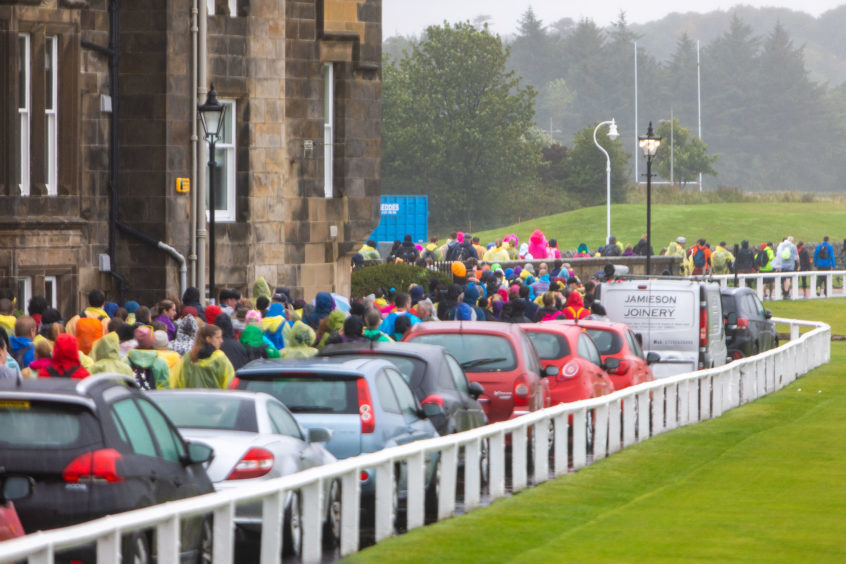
370	279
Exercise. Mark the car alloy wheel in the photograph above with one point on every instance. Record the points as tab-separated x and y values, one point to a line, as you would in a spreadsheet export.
207	542
332	527
293	534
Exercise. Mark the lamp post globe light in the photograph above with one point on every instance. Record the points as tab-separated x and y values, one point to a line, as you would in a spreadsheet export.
211	114
612	135
649	145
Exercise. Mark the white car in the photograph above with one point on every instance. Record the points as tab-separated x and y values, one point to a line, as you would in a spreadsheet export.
254	437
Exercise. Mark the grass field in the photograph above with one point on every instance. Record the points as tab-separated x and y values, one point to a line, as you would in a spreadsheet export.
730	222
765	482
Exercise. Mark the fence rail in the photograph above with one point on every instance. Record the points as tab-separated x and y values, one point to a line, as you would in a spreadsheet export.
819	283
535	447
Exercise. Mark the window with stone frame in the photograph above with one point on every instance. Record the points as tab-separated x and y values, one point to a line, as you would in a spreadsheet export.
24	101
225	166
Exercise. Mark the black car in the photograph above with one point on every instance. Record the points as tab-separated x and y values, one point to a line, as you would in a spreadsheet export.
749	330
95	447
433	375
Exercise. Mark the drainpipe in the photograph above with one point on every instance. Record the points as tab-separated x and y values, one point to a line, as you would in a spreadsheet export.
112	53
200	216
183	268
192	256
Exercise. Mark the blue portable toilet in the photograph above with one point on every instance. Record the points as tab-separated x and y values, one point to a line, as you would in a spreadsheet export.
401	216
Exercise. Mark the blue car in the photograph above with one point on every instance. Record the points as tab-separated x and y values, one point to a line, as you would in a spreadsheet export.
366	403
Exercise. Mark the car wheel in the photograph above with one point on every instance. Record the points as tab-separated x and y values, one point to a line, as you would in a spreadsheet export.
136	549
206	555
395	502
484	463
332	526
293	530
433	493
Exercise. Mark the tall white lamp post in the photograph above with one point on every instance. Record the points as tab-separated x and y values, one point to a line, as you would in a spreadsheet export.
612	135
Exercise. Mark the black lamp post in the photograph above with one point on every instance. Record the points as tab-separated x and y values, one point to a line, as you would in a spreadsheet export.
211	114
649	145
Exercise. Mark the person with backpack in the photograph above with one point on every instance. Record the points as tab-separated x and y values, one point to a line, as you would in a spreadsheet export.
22	342
765	259
804	266
64	363
575	308
823	260
255	345
407	251
699	257
744	263
106	356
150	371
722	259
788	257
96	301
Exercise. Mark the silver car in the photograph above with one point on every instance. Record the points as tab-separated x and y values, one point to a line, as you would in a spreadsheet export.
254	437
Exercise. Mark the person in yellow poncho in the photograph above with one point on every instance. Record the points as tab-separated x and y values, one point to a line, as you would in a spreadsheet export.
106	355
205	365
299	339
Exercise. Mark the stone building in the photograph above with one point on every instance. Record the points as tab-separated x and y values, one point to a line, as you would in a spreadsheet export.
99	131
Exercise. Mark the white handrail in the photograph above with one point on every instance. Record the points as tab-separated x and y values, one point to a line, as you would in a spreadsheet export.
600	427
828	276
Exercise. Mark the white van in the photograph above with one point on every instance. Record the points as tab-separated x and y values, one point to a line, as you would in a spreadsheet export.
681	320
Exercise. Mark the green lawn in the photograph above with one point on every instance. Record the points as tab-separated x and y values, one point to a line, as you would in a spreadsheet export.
730	222
766	482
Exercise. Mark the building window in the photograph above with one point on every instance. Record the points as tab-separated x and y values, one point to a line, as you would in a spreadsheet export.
224	170
23	294
51	286
24	101
328	129
51	109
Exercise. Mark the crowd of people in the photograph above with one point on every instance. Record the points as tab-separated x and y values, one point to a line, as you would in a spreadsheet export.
700	258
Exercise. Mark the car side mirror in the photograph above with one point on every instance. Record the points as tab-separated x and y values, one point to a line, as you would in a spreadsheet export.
15	488
475	390
550	371
611	364
319	435
768	314
199	453
652	358
432	409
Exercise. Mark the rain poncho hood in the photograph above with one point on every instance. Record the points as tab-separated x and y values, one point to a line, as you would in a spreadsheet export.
262	288
298	340
65	357
253	338
106	355
537	244
186	331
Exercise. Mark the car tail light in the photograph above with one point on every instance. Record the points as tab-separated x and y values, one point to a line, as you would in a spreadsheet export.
742	323
569	371
737	355
434	398
257	462
97	465
363	476
365	408
233	384
521	392
703	326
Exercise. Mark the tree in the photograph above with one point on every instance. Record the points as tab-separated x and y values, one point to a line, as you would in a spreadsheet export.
456	125
686	155
585	168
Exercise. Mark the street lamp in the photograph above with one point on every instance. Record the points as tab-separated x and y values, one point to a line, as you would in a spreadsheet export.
211	114
649	145
612	135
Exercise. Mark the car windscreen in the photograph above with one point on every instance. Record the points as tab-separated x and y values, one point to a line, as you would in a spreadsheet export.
307	393
608	342
209	412
550	346
729	304
475	352
39	425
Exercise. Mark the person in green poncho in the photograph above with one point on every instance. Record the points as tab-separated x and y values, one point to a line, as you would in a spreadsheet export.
106	355
144	359
256	345
299	339
205	365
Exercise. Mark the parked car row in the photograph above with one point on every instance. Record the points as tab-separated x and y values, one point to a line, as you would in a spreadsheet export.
73	451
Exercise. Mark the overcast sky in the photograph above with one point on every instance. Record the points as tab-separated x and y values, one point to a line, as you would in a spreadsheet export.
410	17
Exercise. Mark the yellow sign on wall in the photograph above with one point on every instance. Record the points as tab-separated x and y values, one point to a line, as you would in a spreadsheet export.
183	185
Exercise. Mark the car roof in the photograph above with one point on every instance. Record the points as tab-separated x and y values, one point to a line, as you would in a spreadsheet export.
735	291
422	351
66	390
494	327
595	324
325	364
209	392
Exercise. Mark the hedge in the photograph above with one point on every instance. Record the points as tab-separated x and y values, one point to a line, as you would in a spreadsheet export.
369	279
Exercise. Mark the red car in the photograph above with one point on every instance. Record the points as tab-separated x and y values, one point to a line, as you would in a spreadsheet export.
617	340
570	360
11	488
499	356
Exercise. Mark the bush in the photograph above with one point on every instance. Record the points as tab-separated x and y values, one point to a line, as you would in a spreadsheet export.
369	279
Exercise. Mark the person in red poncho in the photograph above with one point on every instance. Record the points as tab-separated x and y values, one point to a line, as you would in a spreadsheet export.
575	308
65	360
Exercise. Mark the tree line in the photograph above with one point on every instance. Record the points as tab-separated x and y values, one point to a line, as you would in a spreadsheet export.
492	128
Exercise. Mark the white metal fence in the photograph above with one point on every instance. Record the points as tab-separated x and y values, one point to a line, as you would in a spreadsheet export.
576	434
818	283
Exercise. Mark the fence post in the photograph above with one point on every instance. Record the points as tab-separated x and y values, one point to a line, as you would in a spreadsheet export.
448	467
600	432
496	456
541	439
580	423
224	534
167	541
643	412
630	405
673	395
614	426
416	484
472	471
312	522
660	419
519	446
561	444
383	505
272	507
350	501
108	547
706	398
